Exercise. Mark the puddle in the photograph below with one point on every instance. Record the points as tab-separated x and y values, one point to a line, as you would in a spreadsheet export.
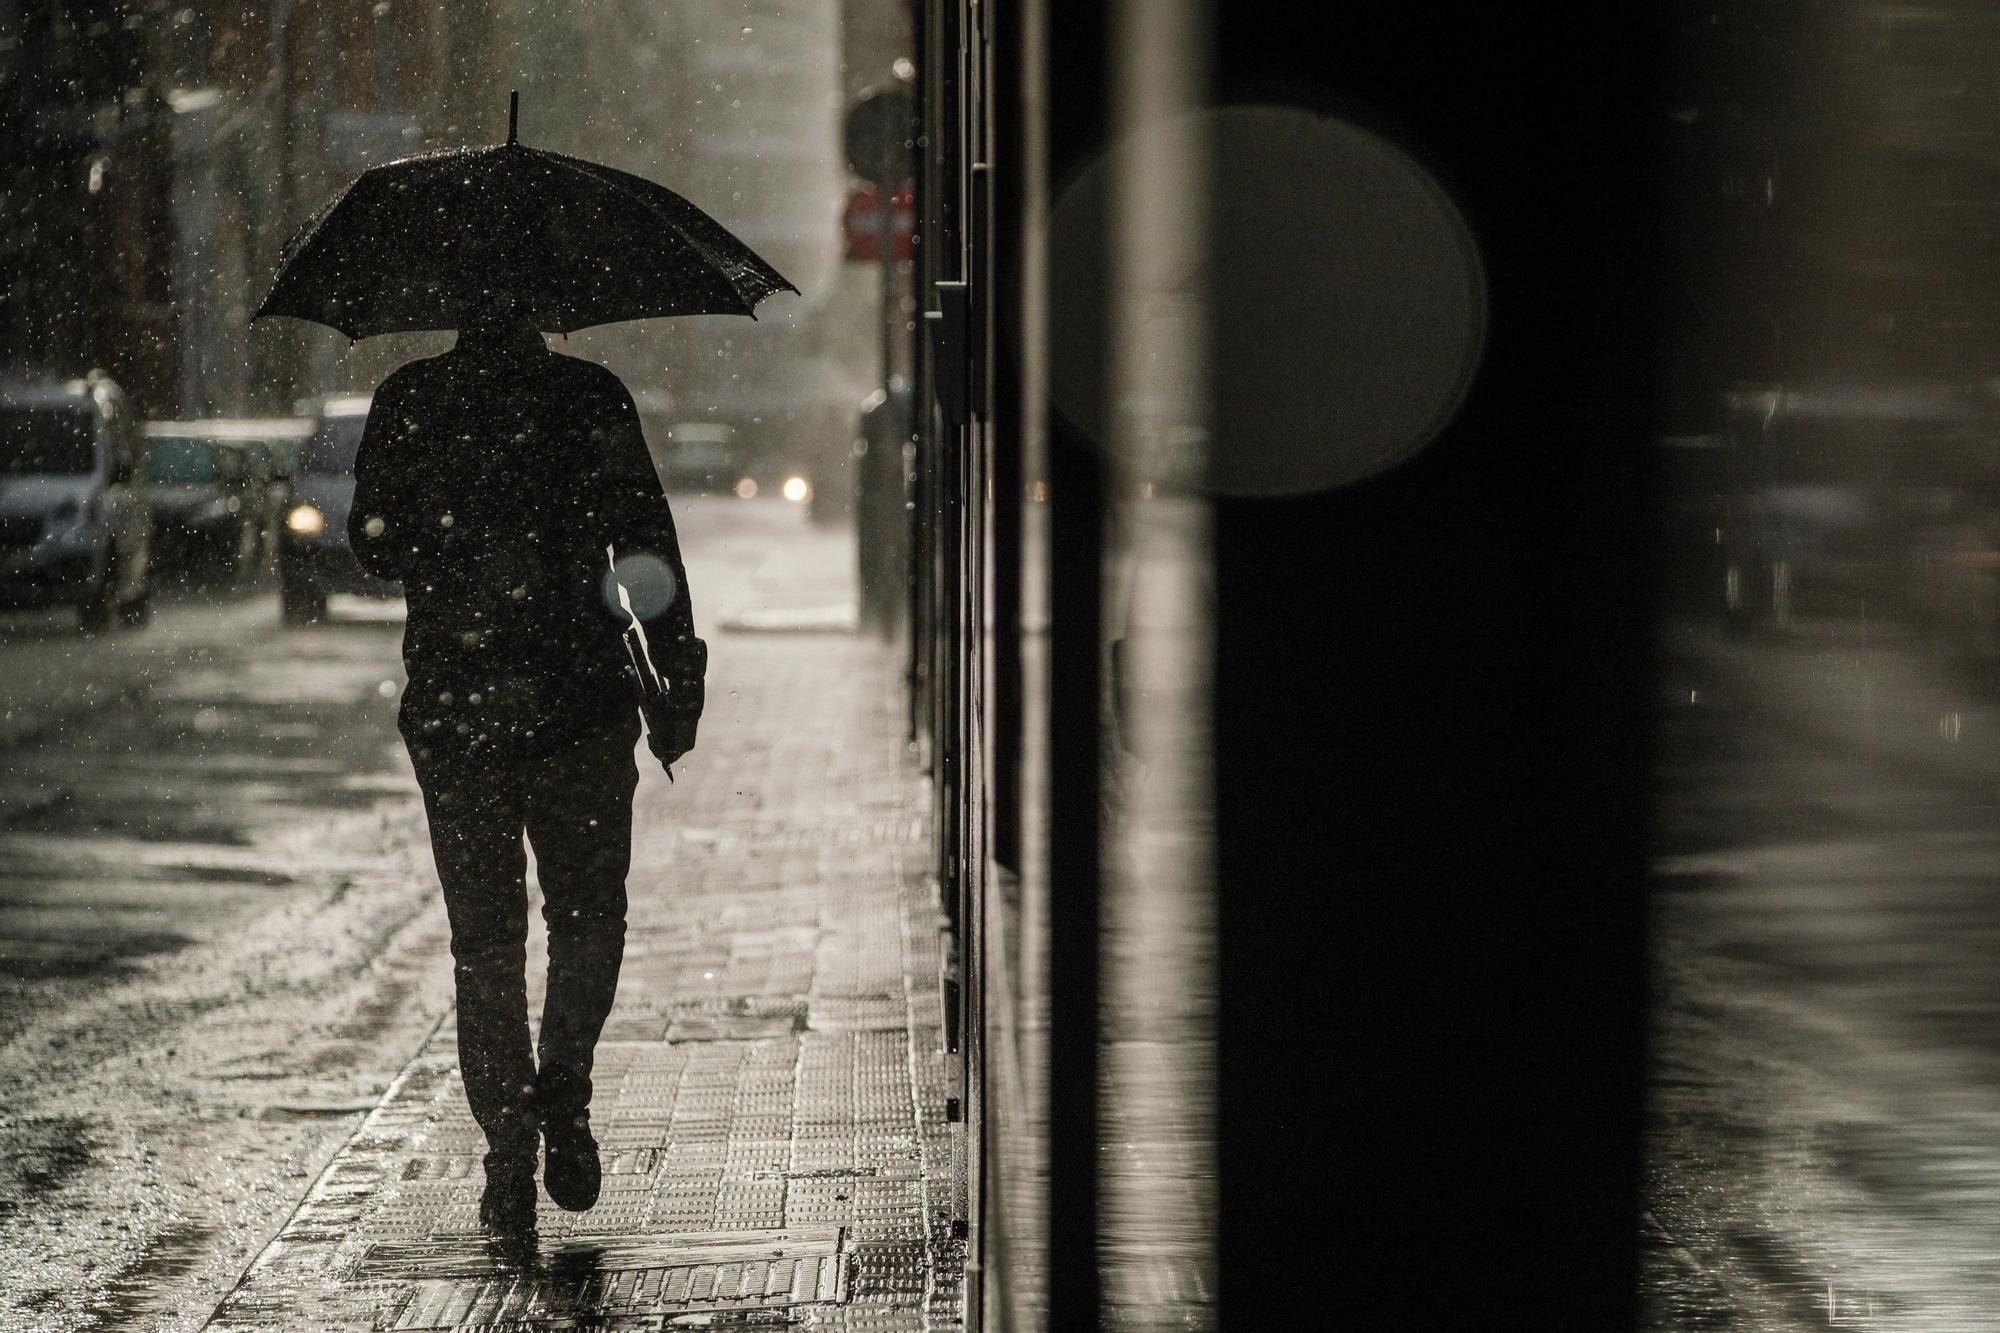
173	1254
42	1154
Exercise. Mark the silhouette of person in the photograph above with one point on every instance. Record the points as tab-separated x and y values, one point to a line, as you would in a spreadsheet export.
490	482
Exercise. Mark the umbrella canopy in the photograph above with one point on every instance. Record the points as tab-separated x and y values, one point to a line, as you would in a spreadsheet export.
421	242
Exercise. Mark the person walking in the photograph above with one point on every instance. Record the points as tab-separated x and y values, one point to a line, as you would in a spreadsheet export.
497	483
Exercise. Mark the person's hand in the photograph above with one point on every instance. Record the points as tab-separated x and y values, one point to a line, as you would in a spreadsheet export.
673	738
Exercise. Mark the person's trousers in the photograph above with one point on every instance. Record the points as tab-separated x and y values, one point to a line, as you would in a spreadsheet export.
575	806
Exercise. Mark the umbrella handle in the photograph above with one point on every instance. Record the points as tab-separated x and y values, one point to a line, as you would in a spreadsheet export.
513	117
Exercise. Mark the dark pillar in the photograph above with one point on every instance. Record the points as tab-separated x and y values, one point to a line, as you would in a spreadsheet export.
1430	724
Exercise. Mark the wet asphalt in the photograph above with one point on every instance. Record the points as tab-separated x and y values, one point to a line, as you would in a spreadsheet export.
1824	1141
219	933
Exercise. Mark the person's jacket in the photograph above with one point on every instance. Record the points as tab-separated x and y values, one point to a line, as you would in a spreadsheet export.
492	482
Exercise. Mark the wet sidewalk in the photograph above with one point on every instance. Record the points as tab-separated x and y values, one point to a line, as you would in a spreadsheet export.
772	1085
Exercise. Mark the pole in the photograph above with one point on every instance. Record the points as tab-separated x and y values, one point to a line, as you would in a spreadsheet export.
283	363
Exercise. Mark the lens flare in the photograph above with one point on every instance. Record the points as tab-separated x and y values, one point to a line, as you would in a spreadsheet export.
648	583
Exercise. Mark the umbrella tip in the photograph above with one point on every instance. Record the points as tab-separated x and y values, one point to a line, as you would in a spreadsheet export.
514	117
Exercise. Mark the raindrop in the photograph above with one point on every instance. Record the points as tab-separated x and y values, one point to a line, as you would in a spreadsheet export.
444	696
207	721
374	527
444	521
387	689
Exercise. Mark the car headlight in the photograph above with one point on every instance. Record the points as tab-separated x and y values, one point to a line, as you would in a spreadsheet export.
306	520
798	490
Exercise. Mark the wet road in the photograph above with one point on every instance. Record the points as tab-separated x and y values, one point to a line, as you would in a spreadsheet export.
1825	1136
218	934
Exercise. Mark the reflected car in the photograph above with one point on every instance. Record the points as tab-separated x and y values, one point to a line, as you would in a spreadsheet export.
314	557
75	527
1856	502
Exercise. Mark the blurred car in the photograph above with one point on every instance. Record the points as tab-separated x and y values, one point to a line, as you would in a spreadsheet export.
75	528
688	455
1693	478
700	456
790	433
1856	501
207	509
314	557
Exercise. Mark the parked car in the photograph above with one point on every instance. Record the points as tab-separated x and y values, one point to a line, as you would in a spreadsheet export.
314	558
74	523
207	518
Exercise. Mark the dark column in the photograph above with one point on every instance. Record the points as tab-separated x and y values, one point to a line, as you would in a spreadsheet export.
1430	724
1077	93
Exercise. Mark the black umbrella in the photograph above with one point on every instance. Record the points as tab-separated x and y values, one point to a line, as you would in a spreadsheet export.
420	242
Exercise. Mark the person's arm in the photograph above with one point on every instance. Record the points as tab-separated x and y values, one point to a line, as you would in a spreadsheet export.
378	529
643	524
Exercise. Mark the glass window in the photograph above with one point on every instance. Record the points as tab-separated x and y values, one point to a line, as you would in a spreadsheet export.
47	440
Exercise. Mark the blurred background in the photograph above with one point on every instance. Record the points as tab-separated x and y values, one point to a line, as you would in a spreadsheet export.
159	155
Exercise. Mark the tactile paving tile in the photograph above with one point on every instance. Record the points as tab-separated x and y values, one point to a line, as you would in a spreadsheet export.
773	1077
454	1285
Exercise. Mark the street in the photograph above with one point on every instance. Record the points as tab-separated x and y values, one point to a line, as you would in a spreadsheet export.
1824	1142
220	938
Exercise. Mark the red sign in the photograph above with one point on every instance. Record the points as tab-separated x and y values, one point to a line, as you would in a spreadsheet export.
862	221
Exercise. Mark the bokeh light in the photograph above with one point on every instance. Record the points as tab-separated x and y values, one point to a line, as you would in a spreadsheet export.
648	583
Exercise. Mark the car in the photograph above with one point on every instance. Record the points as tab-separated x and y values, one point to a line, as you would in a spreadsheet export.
789	435
700	456
75	526
205	520
314	556
687	455
253	460
1865	502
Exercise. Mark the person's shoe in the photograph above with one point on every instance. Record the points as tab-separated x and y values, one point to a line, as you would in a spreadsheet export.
570	1169
507	1208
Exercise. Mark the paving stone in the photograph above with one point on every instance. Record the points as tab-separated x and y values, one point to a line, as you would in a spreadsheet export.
771	1087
